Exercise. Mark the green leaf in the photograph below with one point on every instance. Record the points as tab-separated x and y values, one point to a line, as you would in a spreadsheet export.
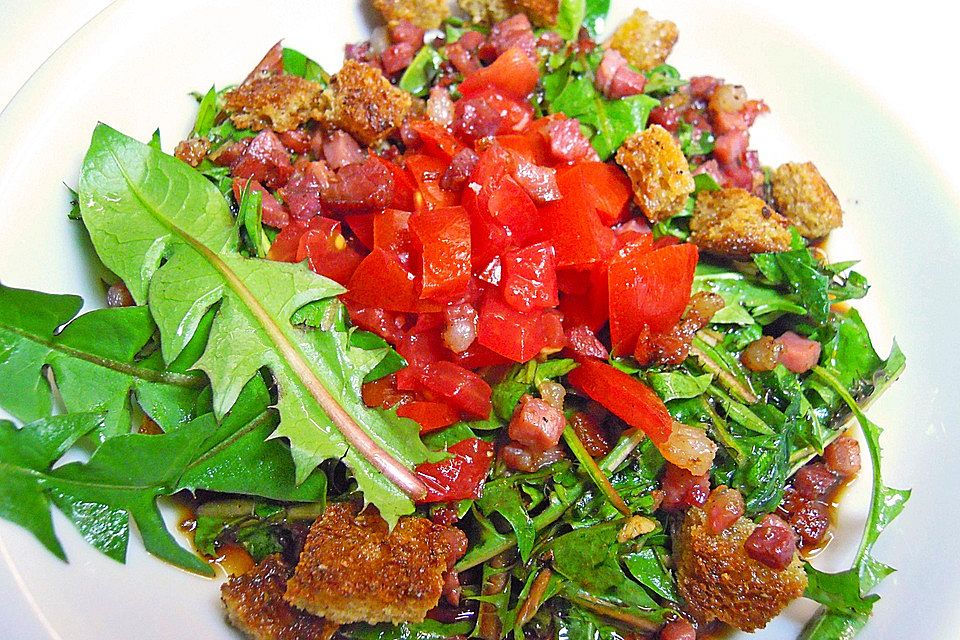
94	361
611	121
426	630
595	16
168	233
206	114
297	64
649	567
423	69
747	299
589	558
672	385
570	17
250	218
840	592
502	496
25	455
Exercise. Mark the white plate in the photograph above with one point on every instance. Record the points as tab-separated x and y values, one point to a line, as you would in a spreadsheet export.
132	68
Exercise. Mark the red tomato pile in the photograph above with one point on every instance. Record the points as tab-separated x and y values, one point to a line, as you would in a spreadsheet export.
499	239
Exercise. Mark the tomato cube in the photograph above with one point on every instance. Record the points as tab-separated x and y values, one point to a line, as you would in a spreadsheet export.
460	388
513	73
459	477
429	415
444	236
516	335
326	251
530	278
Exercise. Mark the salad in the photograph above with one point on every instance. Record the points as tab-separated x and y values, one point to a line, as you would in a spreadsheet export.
502	328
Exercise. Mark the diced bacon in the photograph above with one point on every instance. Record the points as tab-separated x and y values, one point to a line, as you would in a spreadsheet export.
730	147
461	327
274	214
266	160
521	458
463	53
272	64
440	106
340	149
702	87
406	31
363	187
584	343
514	32
799	354
301	194
397	57
460	169
682	489
771	545
712	168
536	424
551	40
567	142
615	79
540	183
231	154
843	456
359	52
666	117
297	140
723	508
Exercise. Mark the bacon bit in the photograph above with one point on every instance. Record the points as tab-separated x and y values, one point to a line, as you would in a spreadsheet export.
340	149
682	489
724	507
536	424
771	545
615	79
843	456
515	31
799	354
266	160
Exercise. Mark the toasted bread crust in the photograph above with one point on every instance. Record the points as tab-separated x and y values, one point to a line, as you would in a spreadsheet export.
486	10
659	172
802	195
542	13
644	41
354	569
720	581
733	222
280	102
255	605
364	103
427	14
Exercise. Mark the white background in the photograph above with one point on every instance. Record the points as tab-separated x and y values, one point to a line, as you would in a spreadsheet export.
904	55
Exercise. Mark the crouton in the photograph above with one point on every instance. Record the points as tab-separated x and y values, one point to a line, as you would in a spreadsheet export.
255	605
659	172
643	41
364	103
733	222
192	150
280	102
354	569
426	14
803	197
489	11
542	13
719	581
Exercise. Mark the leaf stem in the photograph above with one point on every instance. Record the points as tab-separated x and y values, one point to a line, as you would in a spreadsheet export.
596	474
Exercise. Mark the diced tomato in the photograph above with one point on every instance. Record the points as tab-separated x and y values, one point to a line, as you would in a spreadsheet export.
536	424
381	281
512	73
362	227
404	188
326	250
427	172
530	278
391	232
383	393
419	347
490	113
479	356
611	185
554	338
444	236
510	207
436	141
531	146
624	396
574	227
285	245
273	213
386	324
429	415
459	477
515	335
590	307
648	288
459	387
